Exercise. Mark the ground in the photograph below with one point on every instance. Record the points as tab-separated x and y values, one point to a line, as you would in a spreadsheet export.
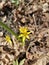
33	14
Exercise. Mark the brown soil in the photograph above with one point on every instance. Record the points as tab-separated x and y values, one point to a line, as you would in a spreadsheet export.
35	15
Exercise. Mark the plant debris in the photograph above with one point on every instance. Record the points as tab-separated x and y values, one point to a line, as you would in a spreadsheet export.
33	14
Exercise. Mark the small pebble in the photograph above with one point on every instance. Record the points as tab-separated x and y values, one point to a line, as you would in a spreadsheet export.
1	4
45	7
1	33
23	20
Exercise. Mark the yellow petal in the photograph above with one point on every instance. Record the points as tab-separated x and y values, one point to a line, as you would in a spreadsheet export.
23	29
28	32
27	37
10	41
7	38
21	35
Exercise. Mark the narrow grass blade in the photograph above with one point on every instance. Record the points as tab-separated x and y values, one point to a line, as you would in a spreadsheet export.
22	62
16	62
8	29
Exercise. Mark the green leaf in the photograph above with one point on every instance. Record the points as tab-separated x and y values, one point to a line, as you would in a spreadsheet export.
8	29
16	62
22	62
12	1
15	1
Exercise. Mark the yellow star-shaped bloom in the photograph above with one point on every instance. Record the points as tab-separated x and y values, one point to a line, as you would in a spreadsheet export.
7	38
24	33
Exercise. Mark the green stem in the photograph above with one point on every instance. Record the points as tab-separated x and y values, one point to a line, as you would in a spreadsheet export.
8	29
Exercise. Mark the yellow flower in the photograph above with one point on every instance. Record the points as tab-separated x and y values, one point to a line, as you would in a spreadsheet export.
24	33
23	29
7	38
